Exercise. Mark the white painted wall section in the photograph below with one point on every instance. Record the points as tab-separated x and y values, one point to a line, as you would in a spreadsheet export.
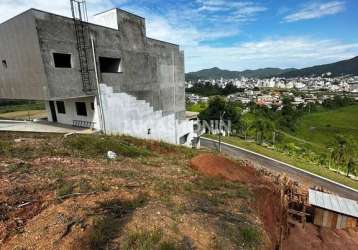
71	113
124	114
107	19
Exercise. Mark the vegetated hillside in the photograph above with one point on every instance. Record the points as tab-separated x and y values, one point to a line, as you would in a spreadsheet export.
62	193
216	73
322	127
344	67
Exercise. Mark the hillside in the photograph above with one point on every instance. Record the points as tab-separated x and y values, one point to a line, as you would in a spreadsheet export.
344	67
216	73
62	193
321	127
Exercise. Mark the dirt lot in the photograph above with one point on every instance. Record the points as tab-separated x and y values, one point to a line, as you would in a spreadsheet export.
61	193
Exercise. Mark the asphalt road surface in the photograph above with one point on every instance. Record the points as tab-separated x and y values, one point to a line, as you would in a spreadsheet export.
277	166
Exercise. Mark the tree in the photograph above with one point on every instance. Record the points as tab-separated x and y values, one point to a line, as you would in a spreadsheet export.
344	153
219	105
262	128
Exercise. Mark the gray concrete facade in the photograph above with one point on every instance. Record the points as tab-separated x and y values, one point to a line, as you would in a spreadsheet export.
150	70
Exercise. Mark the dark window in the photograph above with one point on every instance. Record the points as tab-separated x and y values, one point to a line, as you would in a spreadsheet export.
62	60
60	107
183	139
4	64
109	65
81	108
92	105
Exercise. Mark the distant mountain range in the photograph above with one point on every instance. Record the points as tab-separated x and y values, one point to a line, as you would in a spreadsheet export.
338	68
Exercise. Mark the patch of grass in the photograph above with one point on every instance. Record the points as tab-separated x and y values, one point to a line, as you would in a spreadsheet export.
57	174
321	127
147	240
104	229
107	226
22	107
21	168
84	186
4	147
251	236
126	174
100	185
229	189
98	146
238	230
64	188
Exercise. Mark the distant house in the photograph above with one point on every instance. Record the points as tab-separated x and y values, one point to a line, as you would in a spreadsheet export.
333	211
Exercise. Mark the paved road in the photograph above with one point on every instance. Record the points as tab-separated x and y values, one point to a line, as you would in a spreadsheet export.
272	164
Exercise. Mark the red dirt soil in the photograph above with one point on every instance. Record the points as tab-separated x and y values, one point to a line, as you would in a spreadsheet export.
218	166
267	195
268	206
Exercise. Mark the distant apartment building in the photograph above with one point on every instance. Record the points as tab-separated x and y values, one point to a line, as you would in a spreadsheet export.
107	75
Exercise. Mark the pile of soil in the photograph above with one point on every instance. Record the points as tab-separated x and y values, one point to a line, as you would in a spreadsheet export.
219	166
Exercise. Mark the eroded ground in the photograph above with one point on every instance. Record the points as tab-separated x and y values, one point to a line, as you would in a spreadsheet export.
59	193
62	193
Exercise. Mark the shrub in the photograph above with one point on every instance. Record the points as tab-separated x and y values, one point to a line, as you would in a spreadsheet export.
250	236
147	240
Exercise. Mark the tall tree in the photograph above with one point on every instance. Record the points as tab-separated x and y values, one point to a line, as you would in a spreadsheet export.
344	153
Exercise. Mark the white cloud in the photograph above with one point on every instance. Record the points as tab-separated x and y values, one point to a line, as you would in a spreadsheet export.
316	10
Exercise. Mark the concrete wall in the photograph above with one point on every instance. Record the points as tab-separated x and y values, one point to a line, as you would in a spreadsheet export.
151	69
56	34
24	76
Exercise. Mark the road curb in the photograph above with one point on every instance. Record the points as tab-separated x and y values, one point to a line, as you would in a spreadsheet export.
283	163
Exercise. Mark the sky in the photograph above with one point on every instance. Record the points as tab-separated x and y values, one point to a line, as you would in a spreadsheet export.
235	34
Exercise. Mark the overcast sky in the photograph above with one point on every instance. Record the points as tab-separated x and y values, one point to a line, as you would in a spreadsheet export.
233	34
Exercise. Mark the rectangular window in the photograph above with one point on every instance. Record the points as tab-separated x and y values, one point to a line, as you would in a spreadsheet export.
4	64
60	107
110	65
62	60
81	108
92	105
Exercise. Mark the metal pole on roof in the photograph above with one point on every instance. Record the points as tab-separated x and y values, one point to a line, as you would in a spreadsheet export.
100	103
174	101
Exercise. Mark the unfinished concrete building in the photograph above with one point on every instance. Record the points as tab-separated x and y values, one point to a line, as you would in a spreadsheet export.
107	75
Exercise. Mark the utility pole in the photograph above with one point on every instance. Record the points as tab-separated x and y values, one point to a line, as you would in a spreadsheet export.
221	117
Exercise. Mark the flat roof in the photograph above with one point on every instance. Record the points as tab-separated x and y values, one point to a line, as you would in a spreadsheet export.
333	203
